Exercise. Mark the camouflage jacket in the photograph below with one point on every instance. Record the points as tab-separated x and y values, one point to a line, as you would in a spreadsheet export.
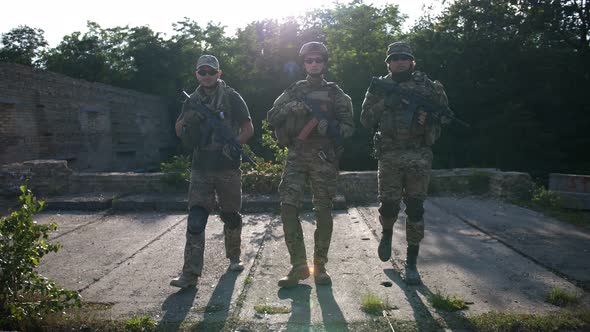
291	110
226	104
395	125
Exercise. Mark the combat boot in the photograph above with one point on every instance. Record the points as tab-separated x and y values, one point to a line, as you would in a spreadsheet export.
321	276
412	275
184	281
236	265
297	273
384	249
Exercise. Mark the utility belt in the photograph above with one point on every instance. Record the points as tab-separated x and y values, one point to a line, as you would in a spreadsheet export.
321	147
383	143
212	158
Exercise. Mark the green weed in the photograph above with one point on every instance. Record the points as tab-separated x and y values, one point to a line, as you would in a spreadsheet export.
447	303
561	298
269	309
373	305
140	324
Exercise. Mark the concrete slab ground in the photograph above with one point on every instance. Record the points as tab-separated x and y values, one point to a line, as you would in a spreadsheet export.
124	261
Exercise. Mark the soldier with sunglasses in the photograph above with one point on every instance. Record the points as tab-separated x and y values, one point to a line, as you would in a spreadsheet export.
214	173
404	135
310	118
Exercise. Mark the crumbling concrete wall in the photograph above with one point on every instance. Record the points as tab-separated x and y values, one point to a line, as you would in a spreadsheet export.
361	187
47	177
93	126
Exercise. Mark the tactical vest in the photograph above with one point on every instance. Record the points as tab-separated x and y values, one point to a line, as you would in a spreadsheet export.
322	98
208	155
399	126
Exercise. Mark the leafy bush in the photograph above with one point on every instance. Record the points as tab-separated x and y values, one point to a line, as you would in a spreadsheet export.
545	198
24	294
264	176
177	171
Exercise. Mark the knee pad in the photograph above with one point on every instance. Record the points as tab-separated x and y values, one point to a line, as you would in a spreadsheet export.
232	220
197	220
389	209
414	208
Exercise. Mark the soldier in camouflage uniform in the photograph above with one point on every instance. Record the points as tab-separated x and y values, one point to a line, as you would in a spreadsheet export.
214	171
310	118
402	142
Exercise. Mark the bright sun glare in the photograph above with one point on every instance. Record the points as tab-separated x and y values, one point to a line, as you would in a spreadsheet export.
160	16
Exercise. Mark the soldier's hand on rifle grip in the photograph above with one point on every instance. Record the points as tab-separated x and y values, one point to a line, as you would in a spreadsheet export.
422	117
194	114
323	127
297	107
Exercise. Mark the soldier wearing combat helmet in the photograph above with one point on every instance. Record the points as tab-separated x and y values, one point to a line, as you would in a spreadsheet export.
404	135
311	118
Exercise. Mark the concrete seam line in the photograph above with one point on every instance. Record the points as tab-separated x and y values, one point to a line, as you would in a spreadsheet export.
233	317
558	273
133	255
100	218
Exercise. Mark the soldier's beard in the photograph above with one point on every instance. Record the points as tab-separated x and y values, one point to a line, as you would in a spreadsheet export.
402	76
316	75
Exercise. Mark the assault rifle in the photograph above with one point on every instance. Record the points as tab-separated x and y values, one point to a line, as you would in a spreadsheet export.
215	125
319	110
415	100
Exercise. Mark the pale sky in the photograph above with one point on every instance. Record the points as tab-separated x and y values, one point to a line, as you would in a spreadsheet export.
62	17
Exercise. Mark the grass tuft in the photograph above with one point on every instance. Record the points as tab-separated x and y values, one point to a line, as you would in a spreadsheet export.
373	305
447	303
140	324
269	309
564	320
561	298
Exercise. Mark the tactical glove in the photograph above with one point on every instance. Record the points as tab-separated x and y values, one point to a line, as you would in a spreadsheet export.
323	127
194	115
297	107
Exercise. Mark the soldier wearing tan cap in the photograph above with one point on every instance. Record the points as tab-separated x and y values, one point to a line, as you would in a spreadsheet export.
215	174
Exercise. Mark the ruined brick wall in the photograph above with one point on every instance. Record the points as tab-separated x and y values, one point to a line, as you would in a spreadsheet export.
95	127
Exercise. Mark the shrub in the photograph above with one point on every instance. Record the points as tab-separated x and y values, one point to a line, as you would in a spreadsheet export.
177	171
545	198
24	294
264	176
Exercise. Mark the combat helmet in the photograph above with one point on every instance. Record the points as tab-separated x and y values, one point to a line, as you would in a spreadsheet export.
399	47
314	47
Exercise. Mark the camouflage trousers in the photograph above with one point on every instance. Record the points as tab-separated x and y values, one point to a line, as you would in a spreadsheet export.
316	164
404	174
210	190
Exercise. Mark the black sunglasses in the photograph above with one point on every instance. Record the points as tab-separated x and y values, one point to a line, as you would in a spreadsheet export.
210	72
312	60
400	57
